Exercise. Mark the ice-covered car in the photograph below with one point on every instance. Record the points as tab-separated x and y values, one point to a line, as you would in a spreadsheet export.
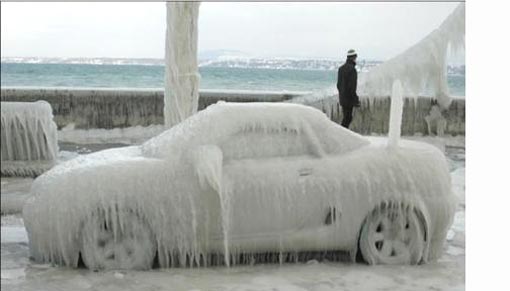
236	181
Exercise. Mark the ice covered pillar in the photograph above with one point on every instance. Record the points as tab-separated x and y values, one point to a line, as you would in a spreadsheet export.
181	64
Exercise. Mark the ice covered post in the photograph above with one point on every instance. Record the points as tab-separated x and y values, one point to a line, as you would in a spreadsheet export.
397	106
181	64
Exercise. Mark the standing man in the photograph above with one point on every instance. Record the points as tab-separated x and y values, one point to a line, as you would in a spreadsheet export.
346	84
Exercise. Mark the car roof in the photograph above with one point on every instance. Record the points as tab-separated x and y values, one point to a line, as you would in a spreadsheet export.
267	113
227	118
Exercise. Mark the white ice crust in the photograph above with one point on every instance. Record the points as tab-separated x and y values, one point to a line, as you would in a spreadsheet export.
241	179
423	64
181	68
28	138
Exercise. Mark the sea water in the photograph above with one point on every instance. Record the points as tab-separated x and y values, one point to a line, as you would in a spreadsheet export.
152	76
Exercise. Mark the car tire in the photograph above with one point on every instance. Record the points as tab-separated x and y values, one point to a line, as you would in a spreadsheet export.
126	243
392	234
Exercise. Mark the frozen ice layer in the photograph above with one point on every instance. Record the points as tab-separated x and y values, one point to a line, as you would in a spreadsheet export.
421	66
29	138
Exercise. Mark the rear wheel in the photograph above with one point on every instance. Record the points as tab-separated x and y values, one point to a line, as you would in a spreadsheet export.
123	244
392	235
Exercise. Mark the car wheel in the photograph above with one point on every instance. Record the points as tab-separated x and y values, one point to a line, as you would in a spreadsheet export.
392	235
113	245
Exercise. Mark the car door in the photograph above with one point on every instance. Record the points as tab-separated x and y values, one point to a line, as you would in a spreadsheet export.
269	184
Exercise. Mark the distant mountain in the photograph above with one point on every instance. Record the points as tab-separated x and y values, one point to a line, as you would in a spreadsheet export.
221	54
221	59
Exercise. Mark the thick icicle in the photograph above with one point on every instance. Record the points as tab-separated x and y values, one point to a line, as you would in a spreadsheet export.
29	138
181	71
397	107
422	65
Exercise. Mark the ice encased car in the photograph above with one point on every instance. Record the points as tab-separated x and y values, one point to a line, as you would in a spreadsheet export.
237	180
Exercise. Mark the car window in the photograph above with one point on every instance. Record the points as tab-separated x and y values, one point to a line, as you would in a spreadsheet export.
259	144
334	139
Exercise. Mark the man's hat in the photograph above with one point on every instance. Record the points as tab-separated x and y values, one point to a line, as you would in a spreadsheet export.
351	53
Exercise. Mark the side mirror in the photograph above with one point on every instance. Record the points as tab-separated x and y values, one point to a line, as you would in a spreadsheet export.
208	161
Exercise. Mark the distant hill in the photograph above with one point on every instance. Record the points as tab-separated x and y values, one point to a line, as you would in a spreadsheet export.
220	59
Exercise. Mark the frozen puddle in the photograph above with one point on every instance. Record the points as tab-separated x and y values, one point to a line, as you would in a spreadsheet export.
320	277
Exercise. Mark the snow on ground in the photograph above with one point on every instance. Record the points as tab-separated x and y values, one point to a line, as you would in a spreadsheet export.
448	273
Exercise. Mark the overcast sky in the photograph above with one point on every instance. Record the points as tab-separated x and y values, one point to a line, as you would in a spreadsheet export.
137	30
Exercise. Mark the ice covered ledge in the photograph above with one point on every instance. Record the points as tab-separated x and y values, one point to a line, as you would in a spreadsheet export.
118	108
421	115
121	108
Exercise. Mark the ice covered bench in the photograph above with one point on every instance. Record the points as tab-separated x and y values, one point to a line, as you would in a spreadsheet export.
28	138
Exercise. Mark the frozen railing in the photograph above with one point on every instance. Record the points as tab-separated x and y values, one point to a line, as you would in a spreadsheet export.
28	138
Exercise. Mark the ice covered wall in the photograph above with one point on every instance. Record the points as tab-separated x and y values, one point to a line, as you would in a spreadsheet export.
121	108
29	138
422	65
87	109
181	70
373	115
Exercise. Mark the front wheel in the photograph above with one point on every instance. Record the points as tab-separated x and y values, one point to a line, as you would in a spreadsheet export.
127	243
392	235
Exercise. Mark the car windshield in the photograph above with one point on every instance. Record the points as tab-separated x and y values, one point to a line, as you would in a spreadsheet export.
335	139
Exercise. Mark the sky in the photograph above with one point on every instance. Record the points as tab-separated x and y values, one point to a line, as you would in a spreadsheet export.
377	31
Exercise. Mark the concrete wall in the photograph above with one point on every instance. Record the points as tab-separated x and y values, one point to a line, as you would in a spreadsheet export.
114	108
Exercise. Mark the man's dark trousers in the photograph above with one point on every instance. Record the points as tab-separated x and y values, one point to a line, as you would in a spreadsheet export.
347	113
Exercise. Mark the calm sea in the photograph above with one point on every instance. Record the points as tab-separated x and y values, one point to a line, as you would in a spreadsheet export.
140	76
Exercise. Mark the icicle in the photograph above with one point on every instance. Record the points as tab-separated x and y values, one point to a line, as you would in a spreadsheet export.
397	106
423	63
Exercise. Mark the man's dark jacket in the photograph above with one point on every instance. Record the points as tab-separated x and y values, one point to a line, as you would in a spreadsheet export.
346	84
